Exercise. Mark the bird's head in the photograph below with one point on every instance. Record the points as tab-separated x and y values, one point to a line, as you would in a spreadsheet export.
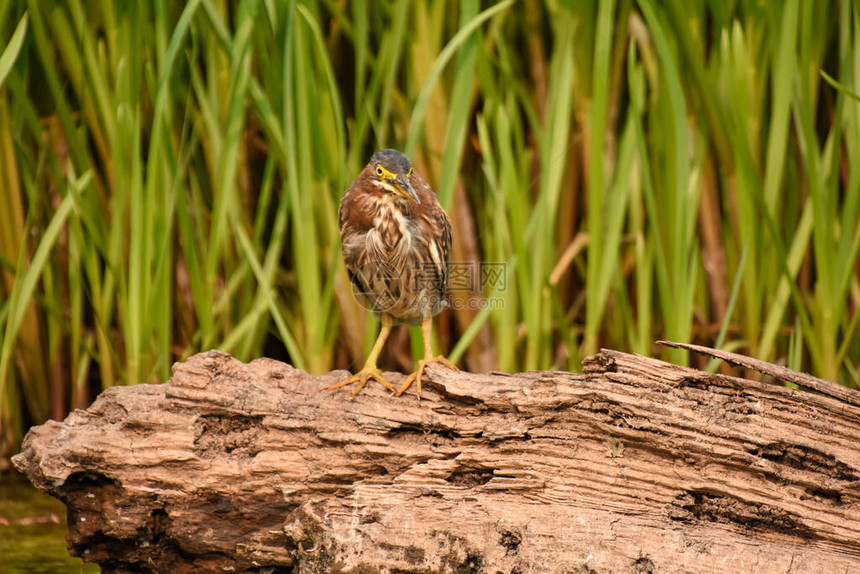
391	171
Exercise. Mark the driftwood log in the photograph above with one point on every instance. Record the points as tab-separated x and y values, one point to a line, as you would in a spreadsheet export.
637	466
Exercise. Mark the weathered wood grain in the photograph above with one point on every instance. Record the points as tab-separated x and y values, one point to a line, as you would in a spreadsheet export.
636	466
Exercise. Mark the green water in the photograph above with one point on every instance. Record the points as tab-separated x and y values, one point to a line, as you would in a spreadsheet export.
33	531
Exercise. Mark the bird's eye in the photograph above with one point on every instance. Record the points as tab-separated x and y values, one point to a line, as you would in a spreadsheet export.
379	170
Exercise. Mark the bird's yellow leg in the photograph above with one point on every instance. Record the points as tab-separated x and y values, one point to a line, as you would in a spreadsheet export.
370	371
426	332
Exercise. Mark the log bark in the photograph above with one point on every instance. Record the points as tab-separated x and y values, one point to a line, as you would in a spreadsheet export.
636	466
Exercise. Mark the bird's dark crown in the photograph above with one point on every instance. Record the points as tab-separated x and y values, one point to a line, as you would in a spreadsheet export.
392	160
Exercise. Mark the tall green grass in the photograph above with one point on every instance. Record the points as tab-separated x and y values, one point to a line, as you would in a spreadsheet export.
170	176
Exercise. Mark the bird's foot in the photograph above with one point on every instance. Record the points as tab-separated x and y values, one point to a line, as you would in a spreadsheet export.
361	377
416	376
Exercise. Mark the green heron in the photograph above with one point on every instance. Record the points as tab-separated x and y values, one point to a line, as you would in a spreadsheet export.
396	245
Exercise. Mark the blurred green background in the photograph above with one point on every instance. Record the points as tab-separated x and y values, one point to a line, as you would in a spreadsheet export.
170	175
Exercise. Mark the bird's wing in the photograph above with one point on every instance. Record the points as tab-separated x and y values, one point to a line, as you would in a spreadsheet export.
353	229
436	231
445	244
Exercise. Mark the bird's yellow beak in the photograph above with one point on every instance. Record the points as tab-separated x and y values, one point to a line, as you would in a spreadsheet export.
401	182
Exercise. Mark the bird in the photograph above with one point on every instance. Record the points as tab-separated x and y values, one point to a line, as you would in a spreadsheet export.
396	241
